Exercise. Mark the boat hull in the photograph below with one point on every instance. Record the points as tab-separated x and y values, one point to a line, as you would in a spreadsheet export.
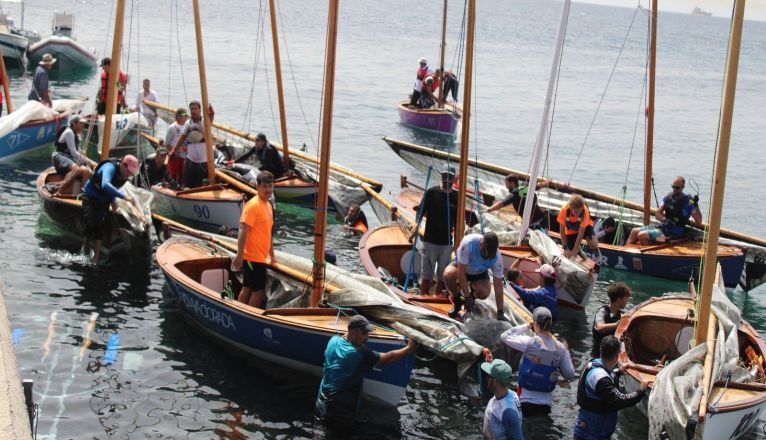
29	137
438	121
14	47
69	53
210	208
295	190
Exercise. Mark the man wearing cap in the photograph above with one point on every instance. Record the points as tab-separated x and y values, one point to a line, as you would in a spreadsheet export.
40	90
543	358
101	190
193	136
502	418
346	361
599	397
267	155
468	278
155	171
176	156
543	296
67	159
103	90
439	207
420	76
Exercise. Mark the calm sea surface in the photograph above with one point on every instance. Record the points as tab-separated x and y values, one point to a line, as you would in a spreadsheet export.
111	359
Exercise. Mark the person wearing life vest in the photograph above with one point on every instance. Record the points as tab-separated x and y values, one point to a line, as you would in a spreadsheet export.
355	220
518	199
122	82
419	77
543	296
502	418
543	359
608	315
430	83
101	190
575	224
673	214
193	138
599	397
67	159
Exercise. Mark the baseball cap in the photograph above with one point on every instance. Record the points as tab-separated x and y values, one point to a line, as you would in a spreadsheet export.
547	271
423	61
498	369
261	137
73	119
543	317
161	151
491	242
131	162
446	169
359	321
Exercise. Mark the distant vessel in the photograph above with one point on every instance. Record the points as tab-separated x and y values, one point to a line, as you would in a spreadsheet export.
61	44
701	12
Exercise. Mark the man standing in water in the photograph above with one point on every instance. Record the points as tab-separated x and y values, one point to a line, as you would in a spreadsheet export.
502	418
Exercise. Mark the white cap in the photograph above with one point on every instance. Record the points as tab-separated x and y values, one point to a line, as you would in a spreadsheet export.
423	61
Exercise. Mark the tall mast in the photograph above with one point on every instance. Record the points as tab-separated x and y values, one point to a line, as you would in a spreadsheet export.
442	48
719	180
650	115
464	135
543	133
280	93
203	88
114	73
320	216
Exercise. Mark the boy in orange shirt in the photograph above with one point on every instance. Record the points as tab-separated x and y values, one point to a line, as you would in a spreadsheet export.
574	225
254	243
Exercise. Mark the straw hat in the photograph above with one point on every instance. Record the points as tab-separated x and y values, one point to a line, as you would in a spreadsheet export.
47	60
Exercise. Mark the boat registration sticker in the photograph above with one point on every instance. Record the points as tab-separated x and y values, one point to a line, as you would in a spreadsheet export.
637	265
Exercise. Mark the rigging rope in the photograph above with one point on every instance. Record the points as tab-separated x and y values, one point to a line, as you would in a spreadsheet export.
416	235
180	58
256	56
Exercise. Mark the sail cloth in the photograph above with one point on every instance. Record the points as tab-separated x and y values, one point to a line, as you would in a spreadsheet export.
676	392
139	218
36	111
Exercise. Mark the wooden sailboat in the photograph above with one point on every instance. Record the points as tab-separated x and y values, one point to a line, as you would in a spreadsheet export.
294	337
732	390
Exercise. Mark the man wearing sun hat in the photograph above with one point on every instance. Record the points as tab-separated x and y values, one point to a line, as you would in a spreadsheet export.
40	90
101	190
543	296
502	418
346	361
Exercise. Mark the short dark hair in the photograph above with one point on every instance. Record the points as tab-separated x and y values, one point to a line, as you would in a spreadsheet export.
618	290
610	221
549	281
264	178
610	348
195	103
511	178
513	275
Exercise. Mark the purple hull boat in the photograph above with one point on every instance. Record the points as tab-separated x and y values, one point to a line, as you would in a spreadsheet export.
442	121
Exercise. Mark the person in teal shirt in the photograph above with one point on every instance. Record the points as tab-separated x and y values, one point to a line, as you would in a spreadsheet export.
502	418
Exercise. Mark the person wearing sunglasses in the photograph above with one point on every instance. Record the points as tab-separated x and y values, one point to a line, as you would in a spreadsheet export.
673	214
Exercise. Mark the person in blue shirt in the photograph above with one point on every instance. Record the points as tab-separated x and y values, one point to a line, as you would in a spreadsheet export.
673	214
543	296
101	190
346	361
502	418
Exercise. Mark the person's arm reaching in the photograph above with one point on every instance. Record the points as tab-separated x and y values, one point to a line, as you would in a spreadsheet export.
395	355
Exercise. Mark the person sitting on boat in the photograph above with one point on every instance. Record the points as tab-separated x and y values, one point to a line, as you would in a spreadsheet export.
502	418
427	96
575	224
608	315
469	279
518	199
193	138
101	190
346	361
122	82
40	88
154	170
543	358
255	244
147	94
673	214
419	77
67	159
176	156
599	397
543	296
355	220
606	230
439	207
269	158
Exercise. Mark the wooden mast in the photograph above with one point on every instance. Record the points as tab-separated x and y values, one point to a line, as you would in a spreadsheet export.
320	217
203	89
650	115
114	73
6	85
280	93
442	48
464	135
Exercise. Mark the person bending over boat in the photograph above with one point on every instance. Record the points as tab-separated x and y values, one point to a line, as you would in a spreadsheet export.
430	84
599	397
543	358
518	199
67	159
449	79
355	220
41	91
575	224
543	296
255	245
346	361
193	136
155	171
502	418
469	279
101	190
439	207
673	214
608	315
267	156
103	91
176	157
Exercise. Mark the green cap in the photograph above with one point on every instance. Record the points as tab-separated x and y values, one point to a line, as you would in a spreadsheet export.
498	369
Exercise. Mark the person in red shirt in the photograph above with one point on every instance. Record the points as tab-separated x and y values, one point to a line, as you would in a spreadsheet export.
574	225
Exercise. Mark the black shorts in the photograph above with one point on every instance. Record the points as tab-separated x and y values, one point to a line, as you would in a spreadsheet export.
471	277
62	163
101	108
254	275
194	173
94	213
571	239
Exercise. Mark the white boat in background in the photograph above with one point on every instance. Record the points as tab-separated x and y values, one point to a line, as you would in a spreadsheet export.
62	45
126	130
701	12
14	45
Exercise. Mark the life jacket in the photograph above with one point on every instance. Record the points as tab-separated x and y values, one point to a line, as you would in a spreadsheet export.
61	147
523	190
434	82
572	222
102	93
536	376
196	133
596	418
422	72
586	397
598	336
117	180
676	214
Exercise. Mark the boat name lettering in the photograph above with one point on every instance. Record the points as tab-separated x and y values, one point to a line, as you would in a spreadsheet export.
208	313
121	124
202	211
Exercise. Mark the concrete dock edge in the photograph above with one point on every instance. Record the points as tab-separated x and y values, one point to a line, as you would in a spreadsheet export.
14	422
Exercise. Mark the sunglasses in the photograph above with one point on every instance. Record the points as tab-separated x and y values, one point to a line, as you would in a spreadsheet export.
677	187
